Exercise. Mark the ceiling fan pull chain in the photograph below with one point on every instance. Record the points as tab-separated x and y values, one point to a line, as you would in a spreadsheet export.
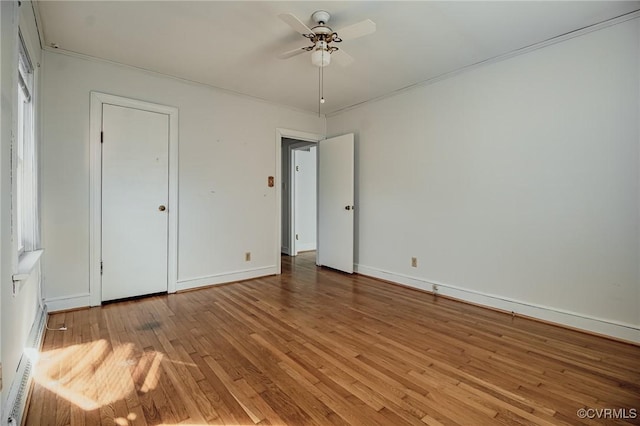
322	82
319	89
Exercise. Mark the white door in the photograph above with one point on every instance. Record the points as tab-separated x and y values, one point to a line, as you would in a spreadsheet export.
335	203
135	179
305	200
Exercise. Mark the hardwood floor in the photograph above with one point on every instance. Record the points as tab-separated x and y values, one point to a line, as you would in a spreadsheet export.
314	346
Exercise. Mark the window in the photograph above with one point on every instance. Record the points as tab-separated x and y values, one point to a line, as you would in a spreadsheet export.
25	170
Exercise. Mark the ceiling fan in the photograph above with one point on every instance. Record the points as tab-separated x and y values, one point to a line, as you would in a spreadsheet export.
323	36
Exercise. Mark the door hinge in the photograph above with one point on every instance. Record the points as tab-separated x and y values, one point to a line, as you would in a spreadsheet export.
101	267
101	137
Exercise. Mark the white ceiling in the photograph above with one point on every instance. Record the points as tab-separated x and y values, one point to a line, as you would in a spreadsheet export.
234	45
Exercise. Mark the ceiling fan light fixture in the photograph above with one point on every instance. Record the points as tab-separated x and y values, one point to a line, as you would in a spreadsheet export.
320	57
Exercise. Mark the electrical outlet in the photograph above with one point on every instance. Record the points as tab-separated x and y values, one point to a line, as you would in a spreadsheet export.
247	256
414	262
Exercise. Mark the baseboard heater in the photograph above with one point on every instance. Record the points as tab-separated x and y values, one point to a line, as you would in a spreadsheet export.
17	399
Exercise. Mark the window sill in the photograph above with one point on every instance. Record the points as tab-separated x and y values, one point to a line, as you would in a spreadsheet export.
28	260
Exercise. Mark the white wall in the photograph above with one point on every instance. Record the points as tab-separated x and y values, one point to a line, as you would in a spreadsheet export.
226	154
306	198
8	27
515	184
18	311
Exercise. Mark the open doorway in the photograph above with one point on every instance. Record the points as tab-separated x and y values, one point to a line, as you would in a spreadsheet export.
335	197
299	196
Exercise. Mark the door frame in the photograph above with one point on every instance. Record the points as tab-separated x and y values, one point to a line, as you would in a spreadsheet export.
98	99
280	134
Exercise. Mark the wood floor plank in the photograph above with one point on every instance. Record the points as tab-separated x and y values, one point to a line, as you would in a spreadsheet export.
231	412
314	346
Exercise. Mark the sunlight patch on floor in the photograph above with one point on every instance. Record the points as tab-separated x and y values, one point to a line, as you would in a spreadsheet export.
121	421
91	375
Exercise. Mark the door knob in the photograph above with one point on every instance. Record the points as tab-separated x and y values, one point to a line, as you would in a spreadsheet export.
162	208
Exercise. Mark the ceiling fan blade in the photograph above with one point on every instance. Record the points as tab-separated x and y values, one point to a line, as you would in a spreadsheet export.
295	23
291	53
357	30
342	58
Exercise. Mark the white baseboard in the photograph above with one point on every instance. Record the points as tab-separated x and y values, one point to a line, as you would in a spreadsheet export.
619	330
14	410
305	247
74	301
226	277
68	302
